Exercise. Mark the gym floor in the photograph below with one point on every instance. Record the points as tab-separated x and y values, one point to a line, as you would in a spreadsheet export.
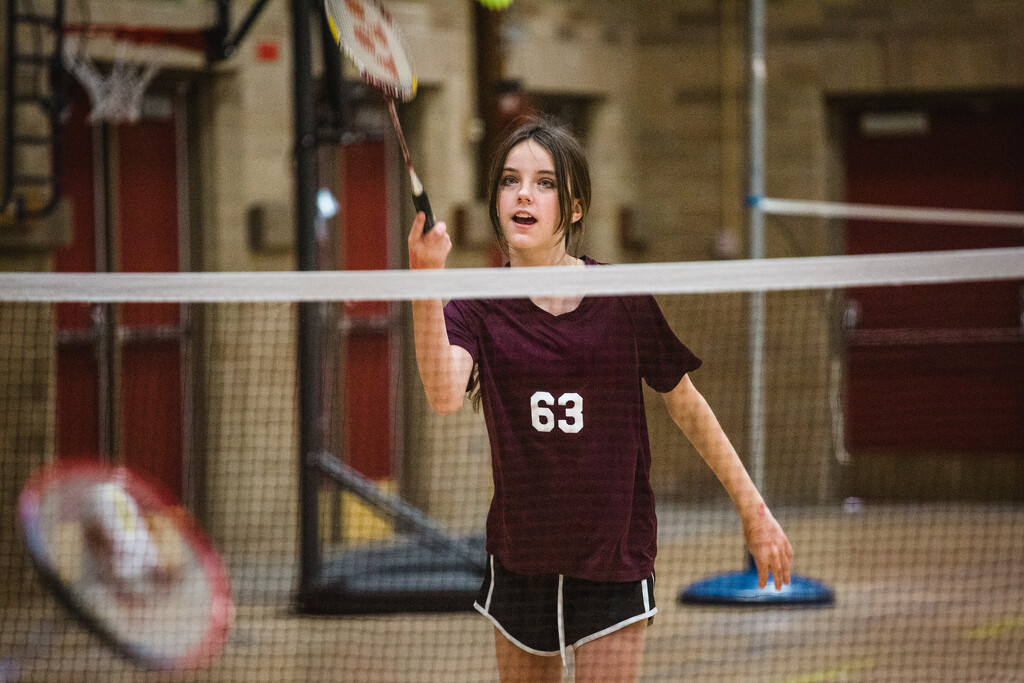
923	593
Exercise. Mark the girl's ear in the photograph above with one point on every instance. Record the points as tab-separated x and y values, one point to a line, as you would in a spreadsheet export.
577	210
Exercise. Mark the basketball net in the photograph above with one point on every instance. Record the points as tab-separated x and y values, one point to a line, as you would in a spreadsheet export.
117	96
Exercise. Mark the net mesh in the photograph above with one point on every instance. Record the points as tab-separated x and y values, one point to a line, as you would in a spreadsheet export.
907	509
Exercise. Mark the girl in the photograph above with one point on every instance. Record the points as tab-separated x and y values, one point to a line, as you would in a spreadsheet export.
571	531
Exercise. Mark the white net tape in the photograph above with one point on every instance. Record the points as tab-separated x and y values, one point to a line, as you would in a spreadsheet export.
819	272
117	96
870	212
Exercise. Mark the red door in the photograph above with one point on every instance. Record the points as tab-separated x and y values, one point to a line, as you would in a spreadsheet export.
119	368
150	335
938	368
368	329
80	406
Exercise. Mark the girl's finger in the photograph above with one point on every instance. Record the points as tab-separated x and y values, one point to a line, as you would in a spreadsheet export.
762	571
778	572
416	231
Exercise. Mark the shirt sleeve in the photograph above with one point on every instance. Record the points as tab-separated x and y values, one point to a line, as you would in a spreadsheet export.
664	360
461	321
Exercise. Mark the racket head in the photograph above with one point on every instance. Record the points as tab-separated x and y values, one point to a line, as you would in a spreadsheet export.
367	34
171	611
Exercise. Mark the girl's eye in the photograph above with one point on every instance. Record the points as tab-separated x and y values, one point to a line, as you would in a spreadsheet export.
547	183
508	180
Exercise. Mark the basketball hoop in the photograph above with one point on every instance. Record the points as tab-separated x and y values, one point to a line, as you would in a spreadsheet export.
117	96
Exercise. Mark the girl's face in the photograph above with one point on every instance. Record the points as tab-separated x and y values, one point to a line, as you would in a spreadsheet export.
528	202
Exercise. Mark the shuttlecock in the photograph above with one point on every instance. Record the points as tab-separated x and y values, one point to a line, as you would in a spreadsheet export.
119	533
495	4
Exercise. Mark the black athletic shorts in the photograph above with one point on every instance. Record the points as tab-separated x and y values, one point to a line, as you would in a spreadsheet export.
545	614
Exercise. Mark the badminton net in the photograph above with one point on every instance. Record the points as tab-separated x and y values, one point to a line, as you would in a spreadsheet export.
889	390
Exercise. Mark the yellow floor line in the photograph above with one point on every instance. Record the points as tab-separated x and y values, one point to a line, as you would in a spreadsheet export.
996	628
825	675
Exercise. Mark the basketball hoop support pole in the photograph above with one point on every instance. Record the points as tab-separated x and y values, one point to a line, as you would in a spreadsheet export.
305	144
221	45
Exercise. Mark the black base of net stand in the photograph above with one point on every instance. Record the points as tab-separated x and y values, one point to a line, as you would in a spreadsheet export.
741	588
400	578
428	571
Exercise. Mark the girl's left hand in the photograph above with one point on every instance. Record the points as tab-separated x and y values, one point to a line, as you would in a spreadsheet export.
770	547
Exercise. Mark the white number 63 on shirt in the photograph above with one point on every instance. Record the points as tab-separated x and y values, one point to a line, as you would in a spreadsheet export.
543	417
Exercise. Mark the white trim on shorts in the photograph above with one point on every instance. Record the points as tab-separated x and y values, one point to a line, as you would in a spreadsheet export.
486	611
648	613
521	646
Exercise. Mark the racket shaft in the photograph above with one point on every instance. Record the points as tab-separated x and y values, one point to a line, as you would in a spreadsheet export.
419	195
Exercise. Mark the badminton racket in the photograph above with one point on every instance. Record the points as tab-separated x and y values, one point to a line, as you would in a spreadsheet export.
128	564
366	33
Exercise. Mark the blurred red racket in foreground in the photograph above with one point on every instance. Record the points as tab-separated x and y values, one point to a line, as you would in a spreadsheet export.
132	567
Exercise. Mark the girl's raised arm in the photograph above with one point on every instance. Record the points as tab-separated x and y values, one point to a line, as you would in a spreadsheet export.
444	368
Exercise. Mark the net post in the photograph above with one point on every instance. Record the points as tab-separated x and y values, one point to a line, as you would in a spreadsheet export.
755	441
742	587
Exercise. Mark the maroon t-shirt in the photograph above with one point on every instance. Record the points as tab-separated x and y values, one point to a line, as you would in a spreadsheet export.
563	402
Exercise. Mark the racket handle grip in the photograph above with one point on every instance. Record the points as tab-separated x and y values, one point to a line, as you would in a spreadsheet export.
421	203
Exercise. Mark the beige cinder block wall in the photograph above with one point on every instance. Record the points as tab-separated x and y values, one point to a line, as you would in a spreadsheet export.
251	433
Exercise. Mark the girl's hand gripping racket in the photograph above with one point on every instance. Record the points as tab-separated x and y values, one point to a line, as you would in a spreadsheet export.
366	33
132	567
